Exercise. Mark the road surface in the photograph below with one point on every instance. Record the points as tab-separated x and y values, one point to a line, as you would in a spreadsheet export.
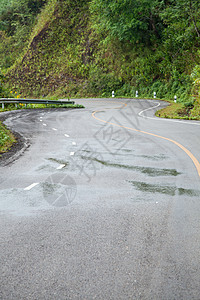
101	203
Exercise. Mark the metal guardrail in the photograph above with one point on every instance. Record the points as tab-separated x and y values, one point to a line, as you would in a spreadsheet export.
34	101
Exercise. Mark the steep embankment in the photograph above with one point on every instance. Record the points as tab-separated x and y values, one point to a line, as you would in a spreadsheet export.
60	50
65	48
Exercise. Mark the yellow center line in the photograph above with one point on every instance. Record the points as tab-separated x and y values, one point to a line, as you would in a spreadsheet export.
192	157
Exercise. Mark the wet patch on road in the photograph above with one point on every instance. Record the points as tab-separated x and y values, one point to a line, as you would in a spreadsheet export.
125	150
188	192
19	202
152	172
153	188
59	161
149	157
59	190
153	157
166	190
129	152
47	167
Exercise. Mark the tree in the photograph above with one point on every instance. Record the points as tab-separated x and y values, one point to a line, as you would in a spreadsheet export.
18	13
3	92
181	18
134	21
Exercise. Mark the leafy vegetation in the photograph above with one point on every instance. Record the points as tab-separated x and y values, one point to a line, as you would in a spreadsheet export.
65	48
6	139
11	106
3	90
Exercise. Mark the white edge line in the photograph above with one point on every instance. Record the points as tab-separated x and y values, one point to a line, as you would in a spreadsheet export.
162	119
28	188
140	113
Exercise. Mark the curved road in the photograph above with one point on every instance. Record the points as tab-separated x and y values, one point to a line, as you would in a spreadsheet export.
103	204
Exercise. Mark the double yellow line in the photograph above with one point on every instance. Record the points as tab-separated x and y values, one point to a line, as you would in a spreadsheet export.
193	158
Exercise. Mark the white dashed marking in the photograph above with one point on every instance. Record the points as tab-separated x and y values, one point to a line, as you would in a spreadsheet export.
60	167
66	135
44	124
74	143
54	129
28	188
72	153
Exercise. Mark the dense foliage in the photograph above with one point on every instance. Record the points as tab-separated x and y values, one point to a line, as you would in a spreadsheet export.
6	139
16	21
89	48
163	37
3	90
134	21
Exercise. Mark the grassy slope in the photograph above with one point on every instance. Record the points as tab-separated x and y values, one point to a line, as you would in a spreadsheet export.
63	57
6	139
58	54
181	111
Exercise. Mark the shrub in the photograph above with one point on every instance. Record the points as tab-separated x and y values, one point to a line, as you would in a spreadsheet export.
3	90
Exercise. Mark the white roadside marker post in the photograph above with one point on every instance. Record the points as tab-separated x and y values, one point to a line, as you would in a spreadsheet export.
175	98
113	94
154	95
136	93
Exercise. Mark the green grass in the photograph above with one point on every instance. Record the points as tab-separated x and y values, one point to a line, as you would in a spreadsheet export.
180	111
10	107
7	139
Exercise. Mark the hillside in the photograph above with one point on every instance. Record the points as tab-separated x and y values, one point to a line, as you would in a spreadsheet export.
65	48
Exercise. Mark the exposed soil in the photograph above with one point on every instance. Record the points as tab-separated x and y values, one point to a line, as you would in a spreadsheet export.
185	112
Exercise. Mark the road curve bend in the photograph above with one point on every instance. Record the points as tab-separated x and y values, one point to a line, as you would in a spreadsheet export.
103	203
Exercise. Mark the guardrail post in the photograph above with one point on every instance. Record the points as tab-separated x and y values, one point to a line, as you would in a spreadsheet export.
2	105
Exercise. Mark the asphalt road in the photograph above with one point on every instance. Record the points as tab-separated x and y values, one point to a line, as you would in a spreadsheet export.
102	203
